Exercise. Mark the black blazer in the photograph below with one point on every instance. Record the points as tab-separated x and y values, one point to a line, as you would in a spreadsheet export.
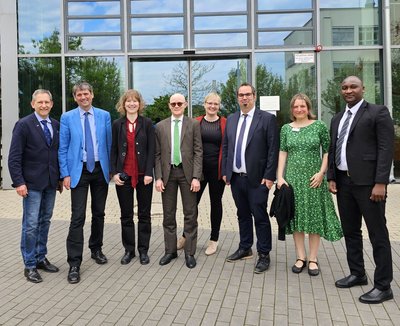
30	160
370	145
145	144
262	147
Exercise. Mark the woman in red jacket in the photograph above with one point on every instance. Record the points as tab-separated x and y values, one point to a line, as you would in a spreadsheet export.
212	131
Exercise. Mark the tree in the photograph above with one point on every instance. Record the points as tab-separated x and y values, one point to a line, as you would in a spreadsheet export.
159	110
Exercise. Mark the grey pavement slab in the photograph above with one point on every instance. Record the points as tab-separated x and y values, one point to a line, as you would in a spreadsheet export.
213	293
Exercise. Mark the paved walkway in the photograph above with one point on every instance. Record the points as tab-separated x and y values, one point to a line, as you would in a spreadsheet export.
213	293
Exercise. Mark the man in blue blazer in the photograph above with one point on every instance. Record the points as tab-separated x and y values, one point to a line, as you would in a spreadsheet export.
360	159
33	165
249	162
84	156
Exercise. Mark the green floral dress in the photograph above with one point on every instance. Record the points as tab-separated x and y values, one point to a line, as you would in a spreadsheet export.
314	208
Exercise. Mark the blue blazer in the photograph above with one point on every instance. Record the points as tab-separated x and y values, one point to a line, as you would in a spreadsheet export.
31	161
262	147
70	153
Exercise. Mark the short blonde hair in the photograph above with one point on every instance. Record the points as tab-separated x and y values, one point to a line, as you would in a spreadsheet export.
130	94
212	94
305	98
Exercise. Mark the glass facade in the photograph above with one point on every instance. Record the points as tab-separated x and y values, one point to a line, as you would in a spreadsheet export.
196	46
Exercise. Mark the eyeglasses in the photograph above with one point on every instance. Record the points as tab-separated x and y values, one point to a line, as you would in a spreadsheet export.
241	95
178	104
212	103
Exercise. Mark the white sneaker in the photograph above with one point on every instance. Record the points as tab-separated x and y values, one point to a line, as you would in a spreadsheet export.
211	248
181	243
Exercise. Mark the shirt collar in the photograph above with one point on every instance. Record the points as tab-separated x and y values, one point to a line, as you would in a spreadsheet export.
174	118
40	118
354	108
250	113
82	111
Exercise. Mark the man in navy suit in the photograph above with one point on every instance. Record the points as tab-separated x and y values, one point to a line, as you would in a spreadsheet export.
249	162
84	155
360	159
33	165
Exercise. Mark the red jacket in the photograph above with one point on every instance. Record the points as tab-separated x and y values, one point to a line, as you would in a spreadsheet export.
222	123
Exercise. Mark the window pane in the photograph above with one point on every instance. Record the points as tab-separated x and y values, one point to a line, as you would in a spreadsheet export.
95	8
152	42
88	43
94	25
343	36
395	21
285	38
219	6
277	74
336	65
105	74
156	6
157	24
368	35
222	40
34	73
284	4
39	25
339	16
220	22
284	20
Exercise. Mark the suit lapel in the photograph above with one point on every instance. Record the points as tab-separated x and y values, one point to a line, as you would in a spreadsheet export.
36	125
253	126
54	141
185	125
359	114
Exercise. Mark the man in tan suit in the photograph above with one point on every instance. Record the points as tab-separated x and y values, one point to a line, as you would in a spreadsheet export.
178	163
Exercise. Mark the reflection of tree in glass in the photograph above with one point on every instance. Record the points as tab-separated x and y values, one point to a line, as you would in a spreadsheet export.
103	74
178	80
159	110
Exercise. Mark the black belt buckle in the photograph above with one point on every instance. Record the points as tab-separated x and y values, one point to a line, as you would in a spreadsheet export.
241	174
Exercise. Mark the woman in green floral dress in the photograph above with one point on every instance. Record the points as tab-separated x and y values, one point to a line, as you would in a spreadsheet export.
301	166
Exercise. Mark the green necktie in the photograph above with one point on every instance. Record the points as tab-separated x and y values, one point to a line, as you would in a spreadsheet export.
177	156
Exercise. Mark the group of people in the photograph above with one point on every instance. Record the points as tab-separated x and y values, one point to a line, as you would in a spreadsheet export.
244	151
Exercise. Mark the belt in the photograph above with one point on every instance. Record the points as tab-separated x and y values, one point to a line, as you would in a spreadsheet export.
344	172
179	166
240	174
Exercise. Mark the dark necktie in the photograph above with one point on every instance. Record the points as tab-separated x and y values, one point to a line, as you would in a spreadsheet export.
88	145
46	131
240	143
340	140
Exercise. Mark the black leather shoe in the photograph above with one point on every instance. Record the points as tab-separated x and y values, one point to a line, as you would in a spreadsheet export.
351	280
376	296
73	275
313	272
144	258
167	258
190	261
128	256
240	254
32	275
262	263
99	257
298	270
47	266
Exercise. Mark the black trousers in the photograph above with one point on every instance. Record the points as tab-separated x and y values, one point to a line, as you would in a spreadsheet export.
216	190
144	195
98	191
353	203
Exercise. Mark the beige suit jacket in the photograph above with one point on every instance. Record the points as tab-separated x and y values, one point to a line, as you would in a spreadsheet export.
191	149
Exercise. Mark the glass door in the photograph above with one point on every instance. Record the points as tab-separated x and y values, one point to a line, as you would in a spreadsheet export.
158	79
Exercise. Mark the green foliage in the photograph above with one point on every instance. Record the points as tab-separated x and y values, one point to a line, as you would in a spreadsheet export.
159	110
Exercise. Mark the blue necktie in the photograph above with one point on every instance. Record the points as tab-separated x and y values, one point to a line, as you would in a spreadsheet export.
46	131
240	142
89	145
340	140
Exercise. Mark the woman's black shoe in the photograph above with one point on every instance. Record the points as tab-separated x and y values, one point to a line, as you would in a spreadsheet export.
298	270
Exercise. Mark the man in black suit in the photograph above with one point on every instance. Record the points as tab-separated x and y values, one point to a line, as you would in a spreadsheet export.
249	162
360	158
33	165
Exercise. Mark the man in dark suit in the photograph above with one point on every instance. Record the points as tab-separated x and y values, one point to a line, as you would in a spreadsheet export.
249	162
360	157
84	155
33	165
178	163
